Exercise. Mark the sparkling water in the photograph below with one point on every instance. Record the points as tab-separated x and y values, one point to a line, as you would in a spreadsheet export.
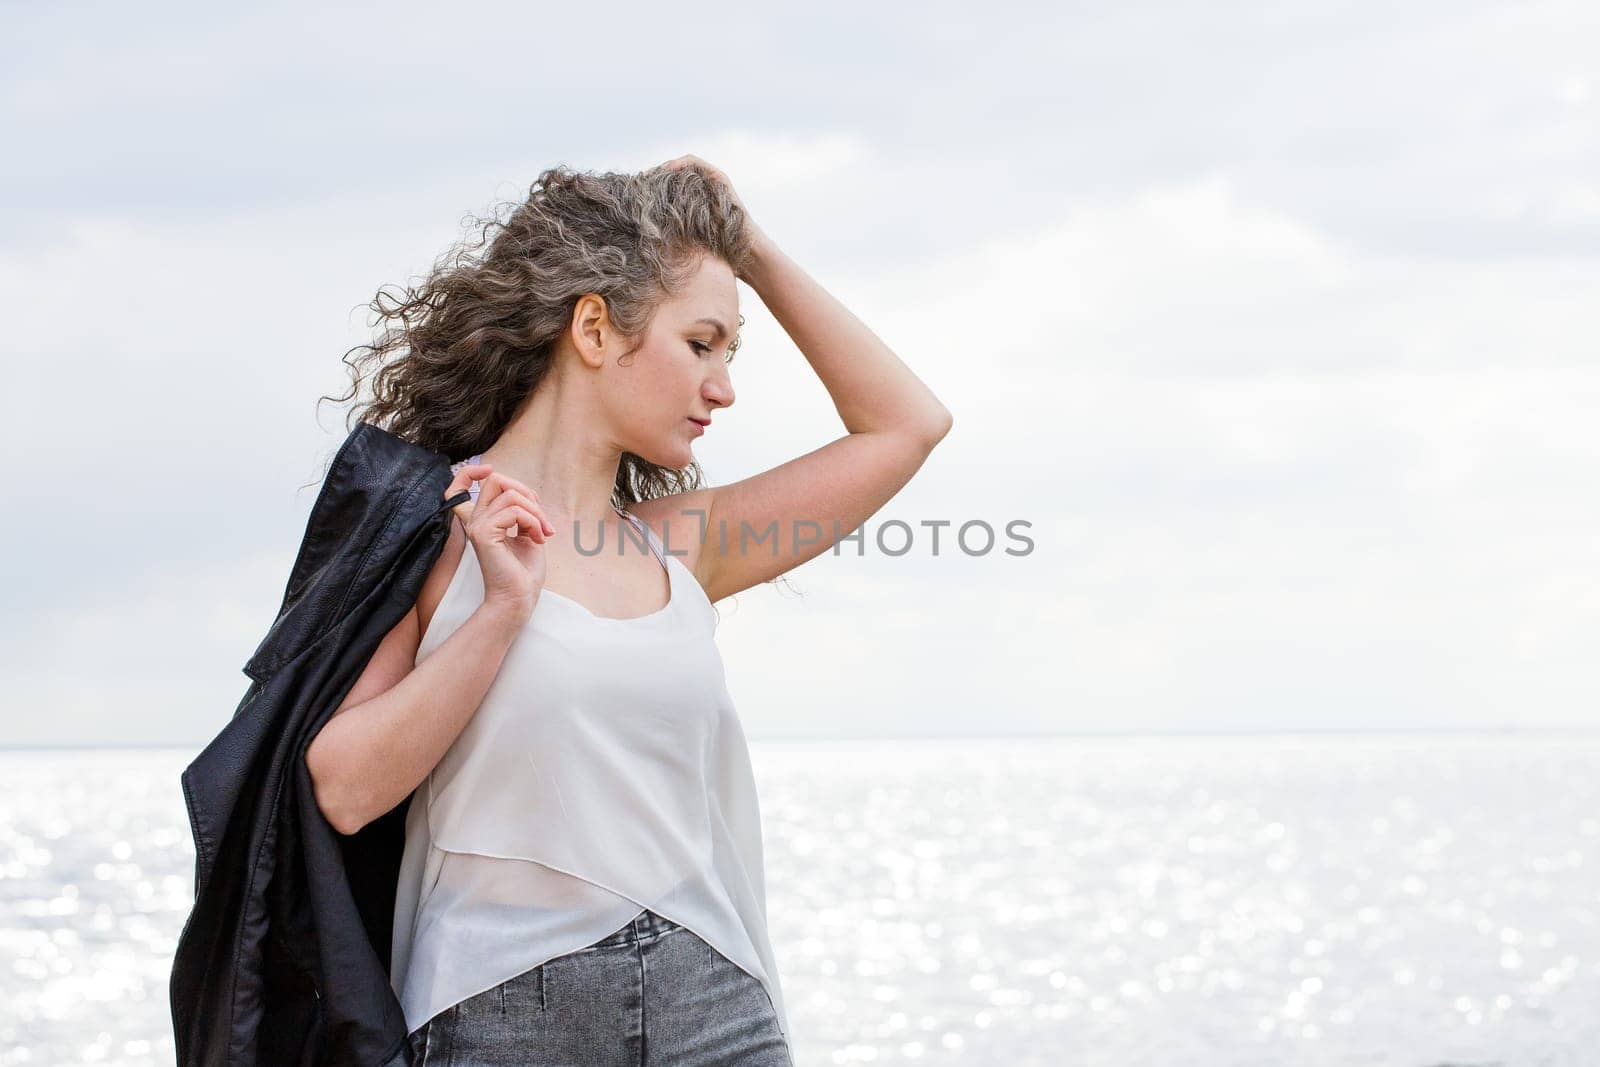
1415	899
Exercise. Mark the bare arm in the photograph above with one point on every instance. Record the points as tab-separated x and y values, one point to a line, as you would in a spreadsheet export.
401	716
399	719
894	421
873	391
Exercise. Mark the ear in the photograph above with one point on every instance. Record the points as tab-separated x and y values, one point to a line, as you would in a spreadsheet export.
591	329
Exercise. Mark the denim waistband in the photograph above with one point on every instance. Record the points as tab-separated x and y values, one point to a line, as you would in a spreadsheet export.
645	926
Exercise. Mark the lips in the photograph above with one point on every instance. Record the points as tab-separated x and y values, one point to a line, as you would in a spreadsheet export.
700	422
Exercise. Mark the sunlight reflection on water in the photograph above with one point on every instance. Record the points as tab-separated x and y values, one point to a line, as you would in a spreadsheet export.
1339	899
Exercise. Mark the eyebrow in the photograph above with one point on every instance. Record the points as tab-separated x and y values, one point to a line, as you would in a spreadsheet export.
715	324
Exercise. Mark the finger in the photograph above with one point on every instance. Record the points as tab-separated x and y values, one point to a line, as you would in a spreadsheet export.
463	479
481	471
527	498
490	486
495	485
544	528
530	520
512	483
501	520
465	476
523	523
506	490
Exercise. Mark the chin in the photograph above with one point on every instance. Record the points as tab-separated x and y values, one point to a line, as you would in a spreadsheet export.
676	458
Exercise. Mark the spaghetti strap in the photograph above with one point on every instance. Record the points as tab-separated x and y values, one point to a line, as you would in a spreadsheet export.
650	538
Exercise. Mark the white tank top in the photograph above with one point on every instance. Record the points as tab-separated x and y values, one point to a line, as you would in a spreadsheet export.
605	771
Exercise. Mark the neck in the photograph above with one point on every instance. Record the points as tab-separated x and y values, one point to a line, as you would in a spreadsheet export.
560	447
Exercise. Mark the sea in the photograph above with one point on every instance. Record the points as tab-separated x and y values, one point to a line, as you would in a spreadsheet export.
1382	899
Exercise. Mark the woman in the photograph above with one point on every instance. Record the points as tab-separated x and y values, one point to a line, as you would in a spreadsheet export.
582	879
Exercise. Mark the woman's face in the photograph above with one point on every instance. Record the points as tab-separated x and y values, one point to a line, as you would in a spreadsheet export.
680	372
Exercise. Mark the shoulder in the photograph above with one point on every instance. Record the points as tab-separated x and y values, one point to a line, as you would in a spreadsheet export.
678	520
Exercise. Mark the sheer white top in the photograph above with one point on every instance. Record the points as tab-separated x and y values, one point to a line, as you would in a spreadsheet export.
605	771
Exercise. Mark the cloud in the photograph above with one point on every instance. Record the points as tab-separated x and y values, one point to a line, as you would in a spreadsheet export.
1277	328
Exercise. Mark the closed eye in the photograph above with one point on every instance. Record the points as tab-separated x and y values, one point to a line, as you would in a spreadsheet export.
703	349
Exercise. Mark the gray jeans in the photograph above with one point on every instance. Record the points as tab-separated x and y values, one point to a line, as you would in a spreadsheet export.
652	994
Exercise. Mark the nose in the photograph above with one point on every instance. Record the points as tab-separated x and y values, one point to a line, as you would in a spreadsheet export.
718	389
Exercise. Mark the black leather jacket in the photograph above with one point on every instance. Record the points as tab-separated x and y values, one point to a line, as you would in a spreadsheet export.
284	959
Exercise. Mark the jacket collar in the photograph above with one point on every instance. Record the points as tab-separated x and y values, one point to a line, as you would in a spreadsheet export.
378	490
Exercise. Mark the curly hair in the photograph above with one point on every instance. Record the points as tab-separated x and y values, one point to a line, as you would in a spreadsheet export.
464	350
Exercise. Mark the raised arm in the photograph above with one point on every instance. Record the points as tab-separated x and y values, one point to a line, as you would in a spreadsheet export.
893	422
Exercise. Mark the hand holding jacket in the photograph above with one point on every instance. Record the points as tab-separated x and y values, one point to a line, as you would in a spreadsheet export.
508	531
284	958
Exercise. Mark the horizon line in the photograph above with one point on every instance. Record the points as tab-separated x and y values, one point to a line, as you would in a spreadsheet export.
1035	736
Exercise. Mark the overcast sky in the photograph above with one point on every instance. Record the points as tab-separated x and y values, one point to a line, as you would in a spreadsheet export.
1278	328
